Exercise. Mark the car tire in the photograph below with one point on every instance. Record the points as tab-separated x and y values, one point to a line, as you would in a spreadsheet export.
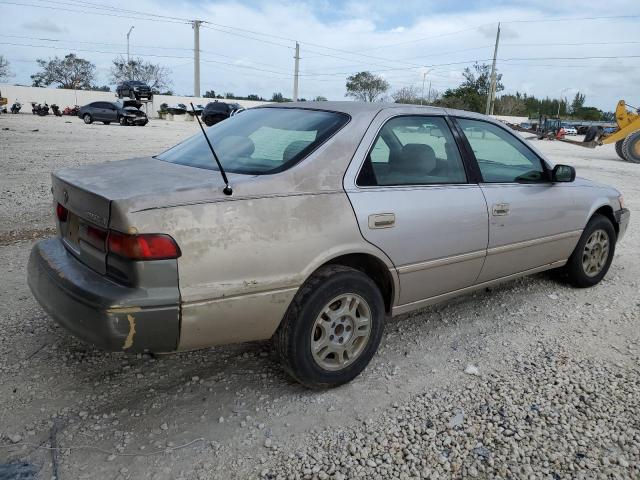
618	146
122	121
143	123
589	263
309	322
87	119
631	147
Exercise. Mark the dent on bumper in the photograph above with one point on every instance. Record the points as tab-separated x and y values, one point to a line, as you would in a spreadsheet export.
100	311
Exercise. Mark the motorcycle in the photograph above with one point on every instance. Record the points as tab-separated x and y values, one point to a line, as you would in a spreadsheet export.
15	108
56	110
73	111
40	110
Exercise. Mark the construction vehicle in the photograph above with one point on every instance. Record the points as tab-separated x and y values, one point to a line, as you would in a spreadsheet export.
626	136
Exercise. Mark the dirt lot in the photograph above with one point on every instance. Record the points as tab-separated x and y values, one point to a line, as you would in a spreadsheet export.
556	393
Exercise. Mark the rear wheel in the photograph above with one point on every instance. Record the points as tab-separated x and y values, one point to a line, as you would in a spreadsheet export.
332	328
591	259
619	149
87	118
631	147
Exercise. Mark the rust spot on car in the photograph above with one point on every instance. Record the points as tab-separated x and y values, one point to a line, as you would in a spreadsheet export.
128	342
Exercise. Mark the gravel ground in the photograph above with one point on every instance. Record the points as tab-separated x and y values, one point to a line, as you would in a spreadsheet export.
551	389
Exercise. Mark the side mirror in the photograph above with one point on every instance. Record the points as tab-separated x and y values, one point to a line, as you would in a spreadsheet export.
563	173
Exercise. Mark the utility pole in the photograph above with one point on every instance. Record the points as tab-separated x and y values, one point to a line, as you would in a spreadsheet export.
128	60
196	57
296	72
429	94
492	86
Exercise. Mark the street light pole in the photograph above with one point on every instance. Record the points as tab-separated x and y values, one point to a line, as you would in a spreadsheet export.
560	100
128	59
424	77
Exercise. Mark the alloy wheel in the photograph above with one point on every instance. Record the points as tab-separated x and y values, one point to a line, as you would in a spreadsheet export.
341	332
595	253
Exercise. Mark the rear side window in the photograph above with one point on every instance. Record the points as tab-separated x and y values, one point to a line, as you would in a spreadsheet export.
502	158
413	150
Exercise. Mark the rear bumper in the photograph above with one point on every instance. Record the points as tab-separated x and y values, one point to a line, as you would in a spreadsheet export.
622	218
98	310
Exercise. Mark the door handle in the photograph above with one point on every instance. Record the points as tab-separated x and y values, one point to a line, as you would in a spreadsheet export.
382	220
500	209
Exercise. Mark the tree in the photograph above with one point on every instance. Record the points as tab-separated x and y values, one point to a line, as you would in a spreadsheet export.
154	75
277	97
104	88
510	105
577	103
320	98
209	94
406	95
229	95
69	72
473	92
366	86
5	72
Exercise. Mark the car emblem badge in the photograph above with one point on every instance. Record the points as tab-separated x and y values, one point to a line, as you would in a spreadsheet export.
65	195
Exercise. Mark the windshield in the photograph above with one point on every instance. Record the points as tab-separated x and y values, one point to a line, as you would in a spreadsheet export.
260	141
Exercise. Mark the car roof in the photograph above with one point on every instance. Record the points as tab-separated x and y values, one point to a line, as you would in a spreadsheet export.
356	108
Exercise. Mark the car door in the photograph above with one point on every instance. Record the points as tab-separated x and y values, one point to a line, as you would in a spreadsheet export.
532	221
100	111
413	200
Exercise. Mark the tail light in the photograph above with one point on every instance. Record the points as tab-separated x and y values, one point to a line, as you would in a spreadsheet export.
62	213
146	246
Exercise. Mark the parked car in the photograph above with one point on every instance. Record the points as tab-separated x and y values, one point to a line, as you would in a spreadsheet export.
126	113
134	89
215	112
333	216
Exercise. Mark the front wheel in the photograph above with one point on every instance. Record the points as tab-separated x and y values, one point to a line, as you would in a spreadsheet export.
332	328
591	259
87	119
631	147
123	121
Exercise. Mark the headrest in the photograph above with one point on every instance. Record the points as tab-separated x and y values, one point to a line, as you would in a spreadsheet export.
415	158
293	149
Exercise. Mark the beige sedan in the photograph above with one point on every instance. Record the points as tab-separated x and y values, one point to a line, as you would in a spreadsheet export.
311	223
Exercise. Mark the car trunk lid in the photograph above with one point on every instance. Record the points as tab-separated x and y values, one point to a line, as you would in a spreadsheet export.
91	193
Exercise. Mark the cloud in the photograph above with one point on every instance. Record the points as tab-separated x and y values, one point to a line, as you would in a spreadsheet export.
394	38
44	25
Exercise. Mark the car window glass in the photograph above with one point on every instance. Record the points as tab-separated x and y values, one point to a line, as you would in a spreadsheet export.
260	141
501	157
413	150
274	144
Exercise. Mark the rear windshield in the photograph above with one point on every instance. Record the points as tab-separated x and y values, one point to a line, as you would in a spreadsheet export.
260	141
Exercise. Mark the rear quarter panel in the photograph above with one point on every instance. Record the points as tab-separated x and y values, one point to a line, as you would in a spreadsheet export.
244	259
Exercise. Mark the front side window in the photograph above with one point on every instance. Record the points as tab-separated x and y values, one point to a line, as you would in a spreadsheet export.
413	150
501	157
260	141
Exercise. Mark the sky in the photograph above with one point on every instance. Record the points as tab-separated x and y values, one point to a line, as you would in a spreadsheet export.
547	48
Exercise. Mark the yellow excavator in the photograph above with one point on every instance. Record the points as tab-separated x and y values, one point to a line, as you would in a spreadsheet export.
626	137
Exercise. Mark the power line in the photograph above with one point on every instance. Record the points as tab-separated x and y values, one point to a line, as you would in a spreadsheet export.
5	2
